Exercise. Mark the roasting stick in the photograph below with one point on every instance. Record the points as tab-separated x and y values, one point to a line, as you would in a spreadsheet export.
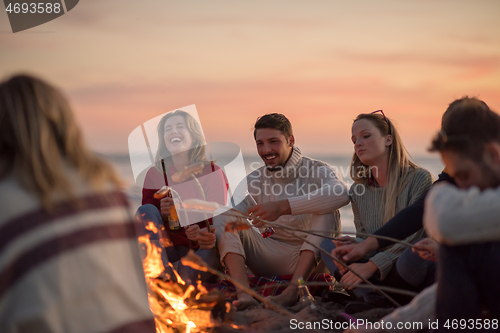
213	206
339	284
311	232
337	261
194	261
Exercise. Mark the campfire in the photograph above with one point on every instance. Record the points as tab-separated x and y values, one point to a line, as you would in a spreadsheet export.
179	306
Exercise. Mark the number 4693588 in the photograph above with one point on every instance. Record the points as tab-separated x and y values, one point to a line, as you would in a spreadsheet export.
33	8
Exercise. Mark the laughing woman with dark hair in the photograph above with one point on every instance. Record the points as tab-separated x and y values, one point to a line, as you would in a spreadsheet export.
67	239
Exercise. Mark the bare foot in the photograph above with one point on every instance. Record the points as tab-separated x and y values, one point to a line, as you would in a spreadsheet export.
287	298
245	301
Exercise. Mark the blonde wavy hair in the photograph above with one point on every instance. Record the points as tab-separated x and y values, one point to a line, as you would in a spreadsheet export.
198	150
400	165
39	136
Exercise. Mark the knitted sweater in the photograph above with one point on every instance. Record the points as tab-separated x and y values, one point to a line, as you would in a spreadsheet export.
74	270
408	220
311	187
368	210
458	217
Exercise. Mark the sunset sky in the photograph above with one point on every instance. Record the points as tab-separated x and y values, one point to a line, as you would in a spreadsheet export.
320	62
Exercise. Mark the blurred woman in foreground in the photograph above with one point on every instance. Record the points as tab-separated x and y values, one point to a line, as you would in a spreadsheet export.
69	259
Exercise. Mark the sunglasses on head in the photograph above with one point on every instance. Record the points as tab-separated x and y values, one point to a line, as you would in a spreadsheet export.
385	118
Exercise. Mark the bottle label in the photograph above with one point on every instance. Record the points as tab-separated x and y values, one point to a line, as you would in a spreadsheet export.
173	224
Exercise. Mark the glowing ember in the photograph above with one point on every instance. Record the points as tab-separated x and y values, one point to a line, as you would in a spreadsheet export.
202	290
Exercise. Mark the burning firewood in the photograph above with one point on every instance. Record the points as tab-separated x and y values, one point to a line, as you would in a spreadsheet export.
152	263
194	261
179	306
185	306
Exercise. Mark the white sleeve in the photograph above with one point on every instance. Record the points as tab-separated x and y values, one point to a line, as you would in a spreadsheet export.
418	312
330	196
456	217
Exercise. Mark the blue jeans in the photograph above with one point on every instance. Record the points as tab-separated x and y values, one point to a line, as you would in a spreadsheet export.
149	213
468	280
414	272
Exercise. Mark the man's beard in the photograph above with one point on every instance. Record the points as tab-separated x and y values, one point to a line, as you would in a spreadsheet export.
494	180
492	175
281	165
276	168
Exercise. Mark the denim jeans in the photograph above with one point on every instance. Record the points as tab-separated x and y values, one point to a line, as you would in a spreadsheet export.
173	254
468	281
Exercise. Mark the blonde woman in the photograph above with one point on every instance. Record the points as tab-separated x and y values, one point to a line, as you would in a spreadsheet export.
67	239
385	182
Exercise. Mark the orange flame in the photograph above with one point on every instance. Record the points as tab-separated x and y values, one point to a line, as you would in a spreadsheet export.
179	279
151	227
189	325
152	264
174	315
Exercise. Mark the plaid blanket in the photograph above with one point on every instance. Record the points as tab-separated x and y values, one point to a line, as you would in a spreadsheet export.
273	286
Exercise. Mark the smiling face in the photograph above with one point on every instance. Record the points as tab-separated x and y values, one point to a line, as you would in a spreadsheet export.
273	147
370	145
176	135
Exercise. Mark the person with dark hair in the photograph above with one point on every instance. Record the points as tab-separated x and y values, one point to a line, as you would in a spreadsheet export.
464	219
69	253
289	189
276	121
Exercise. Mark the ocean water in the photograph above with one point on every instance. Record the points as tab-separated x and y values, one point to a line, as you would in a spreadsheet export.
122	164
